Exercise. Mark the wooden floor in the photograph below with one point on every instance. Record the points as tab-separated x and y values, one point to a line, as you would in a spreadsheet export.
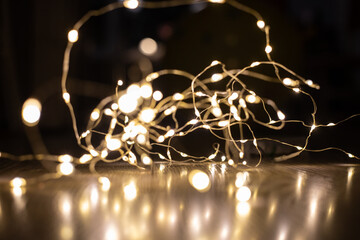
286	202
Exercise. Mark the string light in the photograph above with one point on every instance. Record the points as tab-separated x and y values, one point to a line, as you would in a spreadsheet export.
138	112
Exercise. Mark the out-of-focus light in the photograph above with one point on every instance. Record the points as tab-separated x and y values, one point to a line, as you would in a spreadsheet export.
131	4
260	24
105	183
243	208
157	95
17	182
148	46
231	162
289	82
85	158
31	112
199	180
141	139
268	49
217	1
113	144
178	96
95	114
146	159
215	62
120	82
243	194
130	191
223	123
111	233
147	115
128	103
65	168
252	98
146	90
65	158
254	64
73	36
297	90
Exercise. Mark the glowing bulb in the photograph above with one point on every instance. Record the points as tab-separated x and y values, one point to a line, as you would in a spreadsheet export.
331	124
299	148
255	142
65	158
215	62
309	82
281	115
199	180
130	191
350	155
73	36
31	112
113	144
85	158
254	64
216	111
147	115
170	133
94	153
141	139
17	182
65	168
231	162
95	114
212	156
178	96
241	154
217	1
146	90
252	98
206	126
170	110
146	159
105	182
268	49
223	123
289	82
157	95
216	77
108	112
148	46
66	97
242	103
260	24
312	128
193	121
131	4
120	82
243	194
297	90
161	139
128	103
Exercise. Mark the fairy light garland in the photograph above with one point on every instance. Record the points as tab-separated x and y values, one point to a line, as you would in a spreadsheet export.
136	116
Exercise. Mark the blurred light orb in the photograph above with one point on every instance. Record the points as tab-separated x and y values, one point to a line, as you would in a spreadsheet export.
31	112
131	4
148	46
199	180
128	103
243	194
73	36
65	168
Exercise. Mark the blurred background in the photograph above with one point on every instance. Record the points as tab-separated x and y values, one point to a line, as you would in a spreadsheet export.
320	40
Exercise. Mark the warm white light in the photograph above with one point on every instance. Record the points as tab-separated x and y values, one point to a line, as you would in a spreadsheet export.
289	82
254	64
105	183
131	4
231	162
141	139
309	82
65	158
94	153
223	123
281	115
113	144
161	139
146	159
313	127
193	121
331	124
216	111
130	191
260	24
157	95
199	180
31	112
73	36
169	111
146	90
128	103
95	114
217	1
178	96
241	154
85	158
170	133
66	97
243	194
148	46
216	77
17	182
252	98
350	155
120	82
215	62
65	168
268	49
243	208
297	90
242	103
147	115
108	112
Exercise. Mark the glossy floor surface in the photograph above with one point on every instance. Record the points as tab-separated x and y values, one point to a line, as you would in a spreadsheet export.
204	201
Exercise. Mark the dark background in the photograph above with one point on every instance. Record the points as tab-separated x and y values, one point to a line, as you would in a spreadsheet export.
320	40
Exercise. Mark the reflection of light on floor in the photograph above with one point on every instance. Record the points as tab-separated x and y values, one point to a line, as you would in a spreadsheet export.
116	207
299	183
111	233
207	214
173	218
282	234
224	232
130	191
199	180
272	210
84	207
243	208
94	196
195	224
66	232
65	205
